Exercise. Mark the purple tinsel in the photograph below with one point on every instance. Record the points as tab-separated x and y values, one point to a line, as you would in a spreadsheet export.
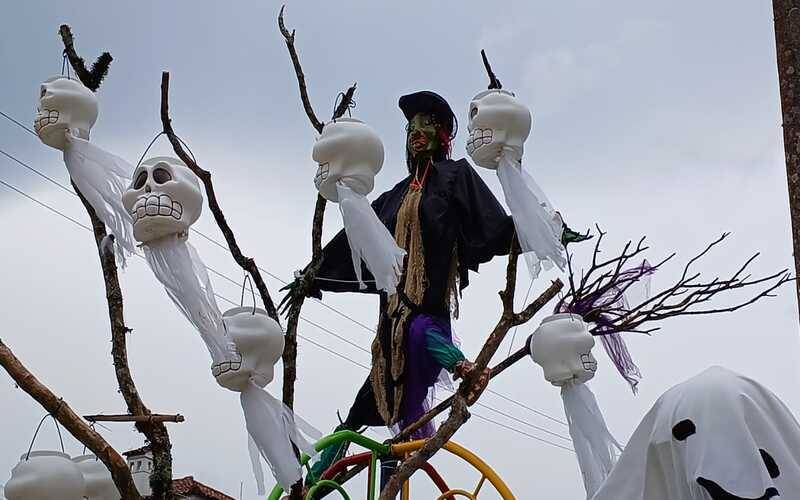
596	307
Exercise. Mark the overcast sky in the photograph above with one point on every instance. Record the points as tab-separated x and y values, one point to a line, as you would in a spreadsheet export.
649	118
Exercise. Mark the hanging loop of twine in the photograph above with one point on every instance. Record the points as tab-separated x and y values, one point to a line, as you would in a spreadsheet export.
245	282
141	158
38	427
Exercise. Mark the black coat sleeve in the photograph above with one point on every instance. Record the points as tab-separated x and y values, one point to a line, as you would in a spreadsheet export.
336	273
485	230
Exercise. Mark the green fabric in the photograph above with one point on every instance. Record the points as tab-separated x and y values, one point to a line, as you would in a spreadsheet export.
327	458
443	351
570	236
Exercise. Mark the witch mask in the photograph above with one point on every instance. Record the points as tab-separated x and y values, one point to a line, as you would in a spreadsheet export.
497	120
717	436
164	198
64	104
562	346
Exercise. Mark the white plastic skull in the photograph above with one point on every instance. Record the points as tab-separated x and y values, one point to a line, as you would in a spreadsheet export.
350	151
259	346
43	475
562	346
99	484
64	104
164	198
497	119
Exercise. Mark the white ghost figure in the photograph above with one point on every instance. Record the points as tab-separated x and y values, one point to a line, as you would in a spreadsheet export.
271	426
717	436
562	346
498	126
66	112
350	154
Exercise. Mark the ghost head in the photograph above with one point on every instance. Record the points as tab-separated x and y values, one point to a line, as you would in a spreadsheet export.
350	151
259	345
164	198
562	346
717	436
497	120
64	104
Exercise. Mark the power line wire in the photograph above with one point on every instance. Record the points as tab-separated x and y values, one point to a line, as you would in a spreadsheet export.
331	351
220	245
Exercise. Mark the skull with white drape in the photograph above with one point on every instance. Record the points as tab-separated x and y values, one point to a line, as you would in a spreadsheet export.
164	200
66	112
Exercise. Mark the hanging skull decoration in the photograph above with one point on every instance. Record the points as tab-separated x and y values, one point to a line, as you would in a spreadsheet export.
497	120
350	151
64	104
164	198
562	346
259	345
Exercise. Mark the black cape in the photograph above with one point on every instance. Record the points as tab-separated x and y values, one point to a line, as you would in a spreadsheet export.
457	210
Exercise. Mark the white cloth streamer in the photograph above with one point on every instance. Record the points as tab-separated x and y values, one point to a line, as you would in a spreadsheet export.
594	445
102	177
369	241
255	461
273	428
178	267
538	226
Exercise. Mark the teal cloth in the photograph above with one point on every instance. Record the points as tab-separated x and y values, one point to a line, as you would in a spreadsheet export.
442	350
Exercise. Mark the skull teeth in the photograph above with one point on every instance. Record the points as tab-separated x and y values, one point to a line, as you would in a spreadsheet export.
153	205
45	117
479	137
322	174
227	366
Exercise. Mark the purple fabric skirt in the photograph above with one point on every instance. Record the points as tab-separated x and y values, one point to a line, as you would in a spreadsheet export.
421	371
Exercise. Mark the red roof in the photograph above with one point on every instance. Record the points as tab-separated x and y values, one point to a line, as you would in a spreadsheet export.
188	486
137	451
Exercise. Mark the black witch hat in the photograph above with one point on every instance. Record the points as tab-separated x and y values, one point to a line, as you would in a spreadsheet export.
426	101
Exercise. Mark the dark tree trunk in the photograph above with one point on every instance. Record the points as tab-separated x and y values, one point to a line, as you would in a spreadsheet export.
787	42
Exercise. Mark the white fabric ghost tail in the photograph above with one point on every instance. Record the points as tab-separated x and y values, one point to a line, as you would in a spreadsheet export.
178	267
273	428
538	226
102	177
255	461
594	445
369	241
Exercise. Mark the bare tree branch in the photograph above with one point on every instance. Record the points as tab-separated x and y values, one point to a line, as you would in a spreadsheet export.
248	264
468	390
155	432
604	284
62	412
91	78
494	83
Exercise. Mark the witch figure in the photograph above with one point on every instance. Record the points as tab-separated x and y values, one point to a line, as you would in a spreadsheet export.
448	222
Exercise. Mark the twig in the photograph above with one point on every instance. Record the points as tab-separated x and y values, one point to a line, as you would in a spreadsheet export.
62	412
248	264
90	78
494	83
156	433
153	417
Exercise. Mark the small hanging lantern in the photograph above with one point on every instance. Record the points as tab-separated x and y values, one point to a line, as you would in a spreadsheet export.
497	121
64	104
259	345
163	198
562	346
350	151
45	475
99	484
350	154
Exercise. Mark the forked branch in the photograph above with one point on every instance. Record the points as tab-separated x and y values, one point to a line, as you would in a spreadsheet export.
248	264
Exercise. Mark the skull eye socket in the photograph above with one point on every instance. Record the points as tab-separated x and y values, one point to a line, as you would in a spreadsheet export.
160	176
683	430
140	180
42	92
473	112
